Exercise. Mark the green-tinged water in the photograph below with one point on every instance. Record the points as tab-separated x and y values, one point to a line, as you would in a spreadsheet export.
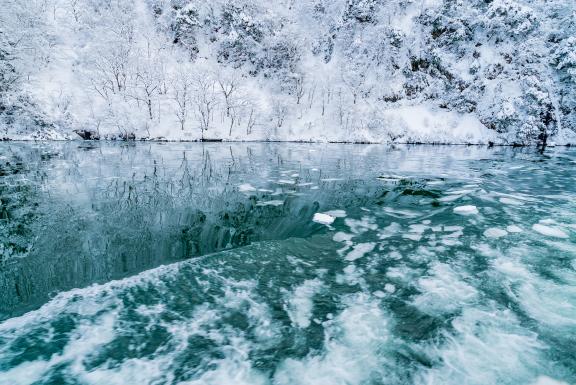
180	263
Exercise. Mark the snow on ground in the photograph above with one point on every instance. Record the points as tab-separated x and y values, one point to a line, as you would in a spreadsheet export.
154	70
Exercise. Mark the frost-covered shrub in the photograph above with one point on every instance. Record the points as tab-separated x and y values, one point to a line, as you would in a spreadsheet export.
362	11
564	57
185	27
510	18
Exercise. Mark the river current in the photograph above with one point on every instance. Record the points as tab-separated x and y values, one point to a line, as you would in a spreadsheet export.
270	263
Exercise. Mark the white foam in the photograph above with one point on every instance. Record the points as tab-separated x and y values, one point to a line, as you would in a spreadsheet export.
488	346
443	290
549	231
300	303
541	298
352	353
466	210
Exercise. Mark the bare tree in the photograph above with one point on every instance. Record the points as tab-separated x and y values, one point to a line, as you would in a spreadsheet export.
299	88
204	99
182	88
149	74
228	83
279	111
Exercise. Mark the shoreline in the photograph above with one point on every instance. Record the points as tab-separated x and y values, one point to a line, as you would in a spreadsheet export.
490	144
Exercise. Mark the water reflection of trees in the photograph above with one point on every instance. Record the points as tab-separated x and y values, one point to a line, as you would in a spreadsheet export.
106	211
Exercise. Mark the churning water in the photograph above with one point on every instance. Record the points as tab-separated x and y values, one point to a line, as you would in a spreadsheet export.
143	263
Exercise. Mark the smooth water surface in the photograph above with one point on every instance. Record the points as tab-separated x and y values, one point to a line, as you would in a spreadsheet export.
175	263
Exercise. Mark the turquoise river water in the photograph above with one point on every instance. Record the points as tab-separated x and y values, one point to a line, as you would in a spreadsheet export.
269	263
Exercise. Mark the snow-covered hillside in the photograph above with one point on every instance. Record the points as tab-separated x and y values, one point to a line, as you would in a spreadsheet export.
433	71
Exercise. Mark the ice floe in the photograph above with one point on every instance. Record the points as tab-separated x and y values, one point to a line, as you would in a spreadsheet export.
549	231
324	219
360	250
494	232
466	210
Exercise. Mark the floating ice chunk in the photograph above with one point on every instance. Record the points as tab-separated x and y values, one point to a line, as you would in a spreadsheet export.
379	294
548	221
509	201
395	255
426	222
390	288
390	230
246	187
336	213
270	203
494	232
342	237
459	192
361	225
549	231
466	210
514	229
401	213
419	229
543	380
324	219
412	236
453	228
450	198
360	250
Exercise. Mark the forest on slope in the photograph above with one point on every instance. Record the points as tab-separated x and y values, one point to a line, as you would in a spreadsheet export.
430	71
